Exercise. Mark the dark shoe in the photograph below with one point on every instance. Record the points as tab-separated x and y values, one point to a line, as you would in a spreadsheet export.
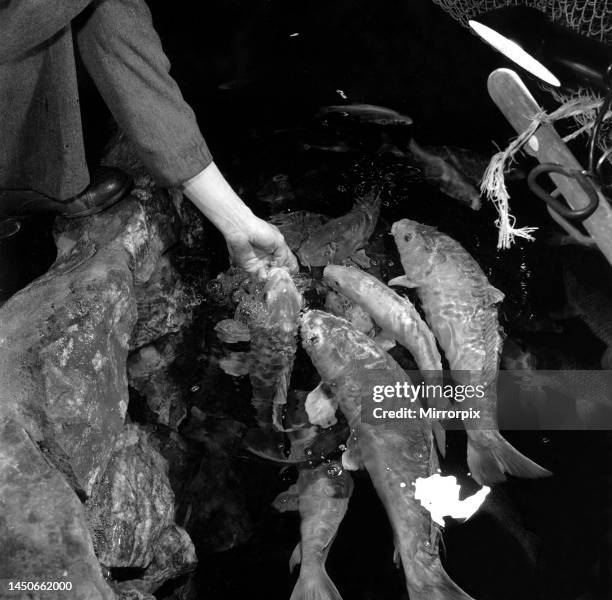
108	185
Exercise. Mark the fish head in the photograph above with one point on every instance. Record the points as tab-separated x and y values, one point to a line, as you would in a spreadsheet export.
324	342
318	250
282	298
341	278
416	244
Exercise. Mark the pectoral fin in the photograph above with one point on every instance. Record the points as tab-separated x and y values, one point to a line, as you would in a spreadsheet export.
361	259
296	557
440	435
402	281
288	500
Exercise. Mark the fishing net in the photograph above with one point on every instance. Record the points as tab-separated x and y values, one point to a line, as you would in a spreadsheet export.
588	17
592	18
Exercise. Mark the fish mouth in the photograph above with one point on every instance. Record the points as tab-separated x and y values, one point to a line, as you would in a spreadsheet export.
310	326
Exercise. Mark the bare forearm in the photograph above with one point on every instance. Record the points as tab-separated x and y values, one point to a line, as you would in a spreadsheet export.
216	199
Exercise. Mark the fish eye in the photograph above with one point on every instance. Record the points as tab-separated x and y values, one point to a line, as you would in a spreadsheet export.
407	237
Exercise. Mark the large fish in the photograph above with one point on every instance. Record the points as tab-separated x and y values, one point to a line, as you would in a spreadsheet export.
396	316
271	315
343	238
460	306
339	305
394	454
321	495
366	113
445	176
297	226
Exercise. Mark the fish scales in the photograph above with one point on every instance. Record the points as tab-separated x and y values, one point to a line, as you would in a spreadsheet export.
341	238
273	346
394	454
321	495
460	306
396	316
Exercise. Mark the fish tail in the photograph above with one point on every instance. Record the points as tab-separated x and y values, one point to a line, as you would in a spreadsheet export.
315	585
489	456
435	584
444	589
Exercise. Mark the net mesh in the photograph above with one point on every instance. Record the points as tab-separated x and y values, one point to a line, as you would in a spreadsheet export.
588	17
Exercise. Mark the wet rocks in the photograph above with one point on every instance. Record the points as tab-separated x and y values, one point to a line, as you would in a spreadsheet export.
165	305
64	341
131	515
64	338
150	374
42	524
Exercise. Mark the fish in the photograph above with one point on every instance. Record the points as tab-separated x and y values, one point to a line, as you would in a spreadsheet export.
460	306
296	226
396	316
321	495
343	239
339	305
271	314
394	454
447	178
367	113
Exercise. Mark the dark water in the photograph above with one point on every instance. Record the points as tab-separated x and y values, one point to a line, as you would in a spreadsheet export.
255	89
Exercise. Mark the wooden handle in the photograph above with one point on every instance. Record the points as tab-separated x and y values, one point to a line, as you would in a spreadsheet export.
518	106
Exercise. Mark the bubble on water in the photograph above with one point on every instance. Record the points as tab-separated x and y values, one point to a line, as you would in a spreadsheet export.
195	388
342	447
308	452
334	470
545	440
402	484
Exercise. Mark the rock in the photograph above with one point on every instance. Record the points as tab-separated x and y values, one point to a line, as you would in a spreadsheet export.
42	524
150	374
165	305
64	338
63	349
131	514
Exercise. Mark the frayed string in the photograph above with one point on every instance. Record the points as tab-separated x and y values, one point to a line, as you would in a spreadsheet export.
583	109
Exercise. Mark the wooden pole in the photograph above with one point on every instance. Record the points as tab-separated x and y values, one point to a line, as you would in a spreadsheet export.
518	106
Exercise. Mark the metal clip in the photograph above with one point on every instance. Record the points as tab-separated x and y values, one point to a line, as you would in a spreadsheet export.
579	214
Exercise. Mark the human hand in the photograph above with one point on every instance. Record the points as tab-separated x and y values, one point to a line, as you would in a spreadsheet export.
258	246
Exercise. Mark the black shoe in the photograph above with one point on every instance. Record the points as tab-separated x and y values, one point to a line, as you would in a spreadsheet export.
108	186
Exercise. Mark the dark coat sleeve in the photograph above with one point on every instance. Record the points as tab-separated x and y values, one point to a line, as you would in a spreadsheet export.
25	24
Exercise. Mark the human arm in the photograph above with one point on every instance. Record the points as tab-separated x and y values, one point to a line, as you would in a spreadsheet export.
253	244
